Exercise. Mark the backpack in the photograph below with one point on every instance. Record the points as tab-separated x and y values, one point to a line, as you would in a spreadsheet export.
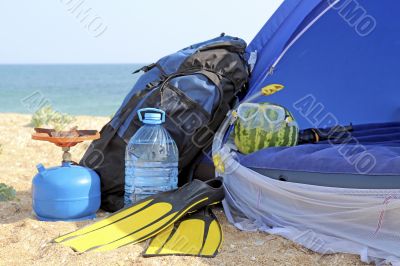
196	87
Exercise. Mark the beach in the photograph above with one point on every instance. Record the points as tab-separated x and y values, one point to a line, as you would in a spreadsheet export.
27	241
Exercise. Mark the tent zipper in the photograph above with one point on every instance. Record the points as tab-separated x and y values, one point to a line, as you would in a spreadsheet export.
282	54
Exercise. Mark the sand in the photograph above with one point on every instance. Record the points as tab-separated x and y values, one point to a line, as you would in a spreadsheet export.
26	241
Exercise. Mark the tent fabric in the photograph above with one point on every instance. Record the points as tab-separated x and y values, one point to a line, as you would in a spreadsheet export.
325	220
333	74
335	69
274	35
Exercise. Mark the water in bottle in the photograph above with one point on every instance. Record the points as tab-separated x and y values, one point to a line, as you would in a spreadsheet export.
151	158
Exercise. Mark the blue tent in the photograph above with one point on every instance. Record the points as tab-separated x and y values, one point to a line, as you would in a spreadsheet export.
342	59
338	61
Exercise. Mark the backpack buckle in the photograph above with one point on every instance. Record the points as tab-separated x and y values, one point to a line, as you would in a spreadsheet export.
145	68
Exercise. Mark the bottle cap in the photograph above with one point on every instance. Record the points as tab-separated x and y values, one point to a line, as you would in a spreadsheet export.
152	116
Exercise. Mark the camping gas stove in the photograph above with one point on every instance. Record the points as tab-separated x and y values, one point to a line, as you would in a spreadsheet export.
68	192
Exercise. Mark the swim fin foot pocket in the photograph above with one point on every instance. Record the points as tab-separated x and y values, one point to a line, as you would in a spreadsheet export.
146	218
197	234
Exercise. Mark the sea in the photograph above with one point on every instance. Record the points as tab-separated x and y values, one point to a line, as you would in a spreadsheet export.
96	90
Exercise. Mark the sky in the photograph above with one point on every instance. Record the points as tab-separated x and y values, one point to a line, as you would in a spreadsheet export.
121	31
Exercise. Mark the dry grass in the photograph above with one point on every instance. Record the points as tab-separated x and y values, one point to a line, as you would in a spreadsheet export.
26	241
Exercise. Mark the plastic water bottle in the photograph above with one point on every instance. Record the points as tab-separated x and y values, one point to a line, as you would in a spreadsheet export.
151	158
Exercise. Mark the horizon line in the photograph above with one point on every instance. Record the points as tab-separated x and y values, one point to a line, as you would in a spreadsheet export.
77	63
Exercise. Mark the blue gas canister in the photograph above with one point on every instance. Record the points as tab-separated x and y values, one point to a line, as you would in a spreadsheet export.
65	193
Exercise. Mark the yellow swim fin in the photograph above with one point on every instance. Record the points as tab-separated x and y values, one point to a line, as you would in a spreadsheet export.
145	219
197	234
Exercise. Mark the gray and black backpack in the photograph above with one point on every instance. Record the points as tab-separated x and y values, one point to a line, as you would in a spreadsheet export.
196	87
